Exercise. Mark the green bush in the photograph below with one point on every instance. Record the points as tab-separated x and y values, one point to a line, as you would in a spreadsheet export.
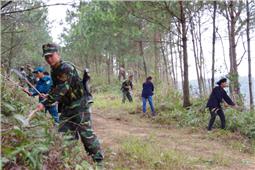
169	106
243	122
30	147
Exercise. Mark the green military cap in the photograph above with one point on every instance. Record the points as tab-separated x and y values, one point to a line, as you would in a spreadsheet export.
49	49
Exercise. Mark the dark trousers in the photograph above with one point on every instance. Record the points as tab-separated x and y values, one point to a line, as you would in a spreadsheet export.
53	112
214	112
80	124
126	94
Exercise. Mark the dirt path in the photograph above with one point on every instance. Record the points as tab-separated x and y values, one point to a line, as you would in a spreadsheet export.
112	130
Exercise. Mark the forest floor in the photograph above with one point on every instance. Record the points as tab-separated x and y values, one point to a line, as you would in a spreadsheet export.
132	142
129	142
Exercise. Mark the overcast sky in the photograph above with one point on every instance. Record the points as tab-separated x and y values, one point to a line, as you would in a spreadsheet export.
56	15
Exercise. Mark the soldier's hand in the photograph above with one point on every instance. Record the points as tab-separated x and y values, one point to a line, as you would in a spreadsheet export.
39	107
24	90
44	95
27	91
236	107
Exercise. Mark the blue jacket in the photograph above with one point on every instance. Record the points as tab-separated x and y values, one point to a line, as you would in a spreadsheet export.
148	89
216	97
43	86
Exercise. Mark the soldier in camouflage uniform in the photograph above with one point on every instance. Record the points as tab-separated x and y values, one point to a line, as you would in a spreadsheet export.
126	88
67	89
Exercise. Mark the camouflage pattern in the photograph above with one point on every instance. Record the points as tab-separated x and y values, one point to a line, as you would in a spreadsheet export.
75	111
126	94
126	88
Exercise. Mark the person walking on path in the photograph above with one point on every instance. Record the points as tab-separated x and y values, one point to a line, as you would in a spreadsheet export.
214	103
147	93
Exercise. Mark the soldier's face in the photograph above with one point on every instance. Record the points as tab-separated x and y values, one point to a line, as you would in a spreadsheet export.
39	75
52	59
225	84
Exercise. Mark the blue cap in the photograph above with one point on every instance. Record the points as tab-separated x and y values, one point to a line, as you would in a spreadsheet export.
38	69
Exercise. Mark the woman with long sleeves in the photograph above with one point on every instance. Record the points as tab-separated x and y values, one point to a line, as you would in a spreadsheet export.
147	93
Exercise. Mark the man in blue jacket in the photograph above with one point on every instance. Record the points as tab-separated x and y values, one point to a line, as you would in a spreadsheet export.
43	86
214	103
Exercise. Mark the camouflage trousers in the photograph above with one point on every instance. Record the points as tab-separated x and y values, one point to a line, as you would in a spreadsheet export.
126	94
78	120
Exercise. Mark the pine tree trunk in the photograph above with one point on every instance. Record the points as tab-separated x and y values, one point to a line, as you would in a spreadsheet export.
186	100
232	17
195	56
108	68
163	51
156	55
249	56
201	58
213	43
172	63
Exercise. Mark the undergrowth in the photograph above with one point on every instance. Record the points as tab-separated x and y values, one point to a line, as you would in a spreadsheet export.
168	105
38	146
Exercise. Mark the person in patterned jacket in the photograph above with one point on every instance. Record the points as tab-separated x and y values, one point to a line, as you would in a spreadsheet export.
68	90
126	88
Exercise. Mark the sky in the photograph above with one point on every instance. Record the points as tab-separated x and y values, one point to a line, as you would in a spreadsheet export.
56	15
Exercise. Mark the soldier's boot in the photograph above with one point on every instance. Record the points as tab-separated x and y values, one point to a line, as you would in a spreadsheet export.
75	136
100	165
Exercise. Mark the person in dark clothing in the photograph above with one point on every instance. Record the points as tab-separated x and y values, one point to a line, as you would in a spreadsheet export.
122	72
147	93
126	88
85	82
24	74
214	103
30	76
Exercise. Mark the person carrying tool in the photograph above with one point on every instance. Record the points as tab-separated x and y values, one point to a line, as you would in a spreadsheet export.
43	86
214	103
68	90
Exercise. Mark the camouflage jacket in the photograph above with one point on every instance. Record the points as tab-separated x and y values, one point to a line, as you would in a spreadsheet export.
127	85
67	87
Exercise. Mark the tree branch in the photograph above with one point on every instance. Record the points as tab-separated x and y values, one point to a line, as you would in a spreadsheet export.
6	4
35	7
243	53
